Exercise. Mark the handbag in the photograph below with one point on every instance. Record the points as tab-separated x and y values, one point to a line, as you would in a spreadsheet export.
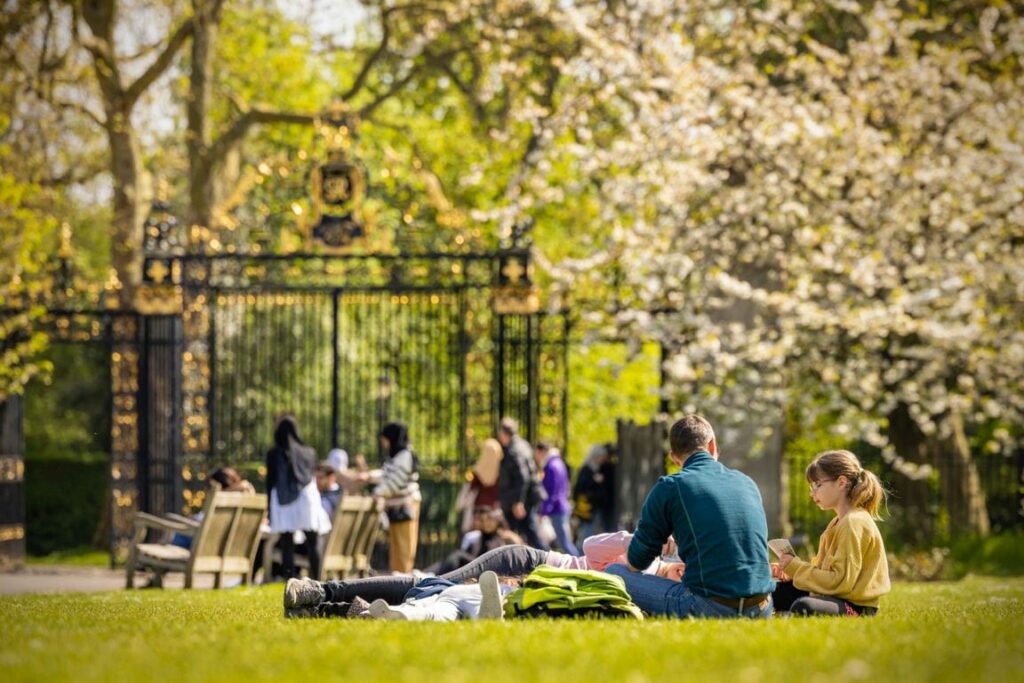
401	513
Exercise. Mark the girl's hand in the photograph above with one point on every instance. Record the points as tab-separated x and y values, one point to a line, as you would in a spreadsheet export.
778	574
785	560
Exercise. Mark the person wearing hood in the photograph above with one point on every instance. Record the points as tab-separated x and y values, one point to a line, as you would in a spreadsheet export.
398	483
293	498
588	494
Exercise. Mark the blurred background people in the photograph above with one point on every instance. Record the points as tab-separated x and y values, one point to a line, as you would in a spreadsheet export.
554	475
294	500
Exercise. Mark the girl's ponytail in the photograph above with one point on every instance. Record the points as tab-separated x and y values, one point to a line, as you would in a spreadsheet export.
867	493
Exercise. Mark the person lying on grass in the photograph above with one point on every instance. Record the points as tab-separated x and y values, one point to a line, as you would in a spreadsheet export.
309	598
474	600
850	573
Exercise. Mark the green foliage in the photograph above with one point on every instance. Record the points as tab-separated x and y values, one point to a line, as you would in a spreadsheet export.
67	449
965	631
23	228
606	383
80	556
64	502
67	415
1000	555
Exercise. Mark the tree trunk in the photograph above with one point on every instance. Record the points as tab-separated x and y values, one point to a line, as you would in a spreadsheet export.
959	483
131	198
131	186
914	496
201	186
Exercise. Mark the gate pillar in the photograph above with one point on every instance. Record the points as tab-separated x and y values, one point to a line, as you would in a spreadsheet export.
12	483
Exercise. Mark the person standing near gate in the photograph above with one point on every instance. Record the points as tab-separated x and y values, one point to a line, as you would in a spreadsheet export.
293	497
398	483
519	489
556	483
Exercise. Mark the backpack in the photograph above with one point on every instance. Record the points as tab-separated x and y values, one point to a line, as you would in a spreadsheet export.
553	592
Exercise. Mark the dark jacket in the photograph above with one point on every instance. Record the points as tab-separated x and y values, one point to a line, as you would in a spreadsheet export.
517	475
717	517
290	463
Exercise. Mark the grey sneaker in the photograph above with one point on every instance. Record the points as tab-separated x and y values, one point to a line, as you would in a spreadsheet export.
358	608
490	597
303	593
379	609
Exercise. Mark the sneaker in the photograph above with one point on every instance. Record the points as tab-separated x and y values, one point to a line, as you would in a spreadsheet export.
303	593
490	597
379	609
358	608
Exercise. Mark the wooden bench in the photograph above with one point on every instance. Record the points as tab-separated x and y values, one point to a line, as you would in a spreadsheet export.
224	542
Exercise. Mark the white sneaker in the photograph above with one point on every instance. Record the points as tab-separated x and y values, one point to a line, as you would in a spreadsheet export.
380	609
490	597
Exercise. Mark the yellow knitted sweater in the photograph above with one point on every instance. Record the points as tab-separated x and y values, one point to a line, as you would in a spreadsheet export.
850	563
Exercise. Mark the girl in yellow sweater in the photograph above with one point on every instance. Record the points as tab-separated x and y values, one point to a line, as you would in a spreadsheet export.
850	572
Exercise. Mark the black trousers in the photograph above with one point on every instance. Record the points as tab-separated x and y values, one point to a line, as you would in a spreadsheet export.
788	598
508	560
312	552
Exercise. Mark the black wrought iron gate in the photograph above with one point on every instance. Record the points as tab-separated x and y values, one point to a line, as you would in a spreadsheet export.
346	343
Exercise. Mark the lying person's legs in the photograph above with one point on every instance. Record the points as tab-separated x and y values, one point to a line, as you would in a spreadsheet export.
508	560
462	601
302	593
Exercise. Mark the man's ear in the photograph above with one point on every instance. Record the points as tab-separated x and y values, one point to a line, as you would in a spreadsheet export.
713	447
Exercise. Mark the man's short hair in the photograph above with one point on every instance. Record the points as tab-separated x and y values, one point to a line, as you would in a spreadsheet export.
509	426
689	434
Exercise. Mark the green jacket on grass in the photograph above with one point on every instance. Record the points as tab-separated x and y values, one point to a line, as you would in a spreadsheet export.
550	591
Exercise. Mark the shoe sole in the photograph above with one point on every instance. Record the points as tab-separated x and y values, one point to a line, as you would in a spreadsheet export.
379	609
490	597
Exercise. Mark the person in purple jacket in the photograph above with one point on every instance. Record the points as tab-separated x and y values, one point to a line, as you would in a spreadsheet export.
555	477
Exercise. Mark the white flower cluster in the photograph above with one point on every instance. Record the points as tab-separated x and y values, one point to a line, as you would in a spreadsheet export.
803	201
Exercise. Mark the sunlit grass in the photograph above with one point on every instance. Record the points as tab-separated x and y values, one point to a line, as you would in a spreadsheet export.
964	631
77	557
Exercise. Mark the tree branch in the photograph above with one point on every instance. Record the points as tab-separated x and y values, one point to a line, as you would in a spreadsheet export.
161	63
364	72
82	109
233	135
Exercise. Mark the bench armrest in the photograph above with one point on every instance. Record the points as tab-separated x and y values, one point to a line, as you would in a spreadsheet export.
144	520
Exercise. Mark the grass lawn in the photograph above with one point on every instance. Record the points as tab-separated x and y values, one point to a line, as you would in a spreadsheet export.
970	630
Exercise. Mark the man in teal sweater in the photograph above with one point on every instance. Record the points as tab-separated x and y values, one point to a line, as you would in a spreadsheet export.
717	518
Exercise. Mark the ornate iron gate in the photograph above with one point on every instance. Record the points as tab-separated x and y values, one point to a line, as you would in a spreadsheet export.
348	342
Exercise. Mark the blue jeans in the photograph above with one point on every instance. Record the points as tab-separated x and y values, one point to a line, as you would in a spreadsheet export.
665	597
563	535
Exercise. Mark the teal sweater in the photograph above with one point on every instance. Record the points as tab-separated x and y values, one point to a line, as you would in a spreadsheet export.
717	517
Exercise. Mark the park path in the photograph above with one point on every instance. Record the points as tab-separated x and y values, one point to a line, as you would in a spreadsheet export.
65	579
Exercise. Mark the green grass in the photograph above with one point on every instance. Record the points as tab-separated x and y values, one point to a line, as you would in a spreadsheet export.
963	631
78	557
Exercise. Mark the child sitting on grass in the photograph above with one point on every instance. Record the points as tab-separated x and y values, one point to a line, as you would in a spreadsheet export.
850	572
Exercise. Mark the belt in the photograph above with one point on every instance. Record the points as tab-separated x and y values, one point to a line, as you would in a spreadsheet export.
760	601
